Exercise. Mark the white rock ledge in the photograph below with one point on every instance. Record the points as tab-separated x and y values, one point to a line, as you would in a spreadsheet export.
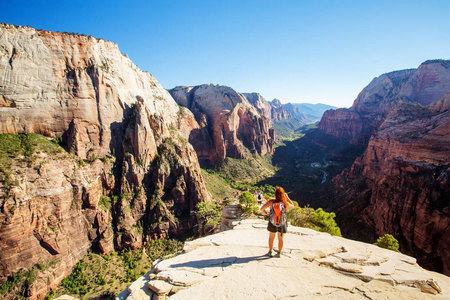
233	265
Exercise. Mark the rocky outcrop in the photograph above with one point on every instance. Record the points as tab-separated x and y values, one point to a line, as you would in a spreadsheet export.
400	184
424	85
278	111
89	96
74	86
229	126
234	264
262	105
53	215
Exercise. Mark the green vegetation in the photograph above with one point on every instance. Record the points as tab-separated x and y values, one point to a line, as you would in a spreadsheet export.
218	187
286	128
387	241
209	216
108	275
22	150
105	202
248	202
315	219
17	284
245	174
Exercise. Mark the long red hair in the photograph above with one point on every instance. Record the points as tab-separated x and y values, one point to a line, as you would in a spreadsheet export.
280	195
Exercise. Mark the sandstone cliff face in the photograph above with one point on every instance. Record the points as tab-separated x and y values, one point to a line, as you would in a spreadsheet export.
400	184
72	85
424	85
278	111
83	91
52	214
229	126
262	105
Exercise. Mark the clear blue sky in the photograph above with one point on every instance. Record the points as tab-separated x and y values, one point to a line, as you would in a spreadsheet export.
294	50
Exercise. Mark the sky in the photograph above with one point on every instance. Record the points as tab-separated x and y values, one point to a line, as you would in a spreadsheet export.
299	51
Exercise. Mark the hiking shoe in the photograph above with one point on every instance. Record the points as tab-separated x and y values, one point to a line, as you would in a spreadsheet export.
278	254
270	254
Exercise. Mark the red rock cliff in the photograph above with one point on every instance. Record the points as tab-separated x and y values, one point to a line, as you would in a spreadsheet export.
426	84
229	126
83	91
400	185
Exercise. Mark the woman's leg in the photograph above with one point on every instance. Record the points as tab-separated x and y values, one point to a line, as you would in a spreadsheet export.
280	241
271	238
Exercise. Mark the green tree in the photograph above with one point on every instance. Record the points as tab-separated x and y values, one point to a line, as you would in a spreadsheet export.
318	219
248	202
209	216
325	221
387	241
301	217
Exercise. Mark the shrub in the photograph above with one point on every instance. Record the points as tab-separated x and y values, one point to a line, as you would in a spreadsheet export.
387	241
318	219
104	202
325	221
209	215
248	202
301	216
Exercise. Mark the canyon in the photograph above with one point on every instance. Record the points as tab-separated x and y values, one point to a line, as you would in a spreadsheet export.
97	155
399	185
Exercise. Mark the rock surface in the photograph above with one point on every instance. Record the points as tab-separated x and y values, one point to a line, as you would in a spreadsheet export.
229	126
234	265
400	185
424	85
94	99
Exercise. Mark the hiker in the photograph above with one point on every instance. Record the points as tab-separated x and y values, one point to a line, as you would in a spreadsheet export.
259	197
277	218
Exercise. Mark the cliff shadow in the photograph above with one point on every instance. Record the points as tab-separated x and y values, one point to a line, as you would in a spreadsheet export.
220	262
307	165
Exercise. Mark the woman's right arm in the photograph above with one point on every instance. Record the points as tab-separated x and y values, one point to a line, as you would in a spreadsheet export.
265	206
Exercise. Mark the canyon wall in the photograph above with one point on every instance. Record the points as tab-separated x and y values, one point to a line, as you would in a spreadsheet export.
228	125
400	184
127	173
424	85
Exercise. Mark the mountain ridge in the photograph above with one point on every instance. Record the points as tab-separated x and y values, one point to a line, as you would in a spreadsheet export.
401	119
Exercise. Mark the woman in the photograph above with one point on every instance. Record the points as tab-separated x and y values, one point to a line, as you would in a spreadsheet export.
280	196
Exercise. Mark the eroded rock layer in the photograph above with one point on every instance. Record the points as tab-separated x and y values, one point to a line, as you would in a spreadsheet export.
86	94
229	126
400	185
424	85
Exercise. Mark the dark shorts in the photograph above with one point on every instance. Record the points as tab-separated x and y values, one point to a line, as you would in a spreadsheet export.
273	228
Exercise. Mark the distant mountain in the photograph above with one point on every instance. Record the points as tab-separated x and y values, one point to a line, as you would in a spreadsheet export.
291	117
313	111
308	112
229	124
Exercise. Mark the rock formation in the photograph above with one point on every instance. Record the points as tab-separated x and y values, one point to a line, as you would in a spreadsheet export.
83	92
278	111
234	264
261	104
424	85
400	184
229	126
